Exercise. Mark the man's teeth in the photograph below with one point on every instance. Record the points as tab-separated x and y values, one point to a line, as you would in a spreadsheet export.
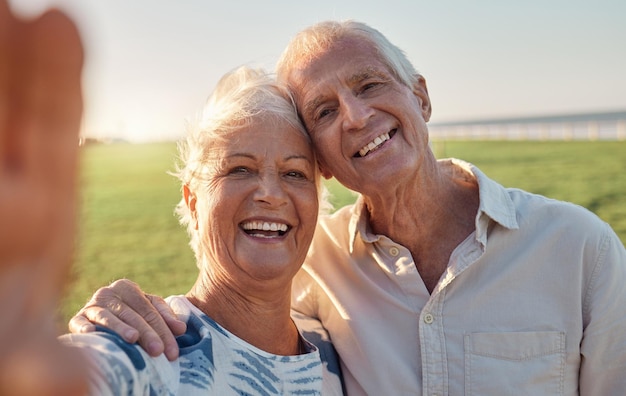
264	226
375	143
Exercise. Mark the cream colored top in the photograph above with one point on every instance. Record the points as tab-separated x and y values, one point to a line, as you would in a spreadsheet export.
533	302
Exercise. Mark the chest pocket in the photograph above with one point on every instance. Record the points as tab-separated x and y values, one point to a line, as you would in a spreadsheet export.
516	363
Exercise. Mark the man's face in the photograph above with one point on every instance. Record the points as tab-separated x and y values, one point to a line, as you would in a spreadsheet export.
368	128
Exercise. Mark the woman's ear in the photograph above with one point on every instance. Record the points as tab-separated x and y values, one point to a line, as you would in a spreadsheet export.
190	201
421	92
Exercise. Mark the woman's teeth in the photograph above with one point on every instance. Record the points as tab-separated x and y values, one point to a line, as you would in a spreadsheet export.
264	228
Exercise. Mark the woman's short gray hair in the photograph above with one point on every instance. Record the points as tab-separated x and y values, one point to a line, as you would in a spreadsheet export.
239	97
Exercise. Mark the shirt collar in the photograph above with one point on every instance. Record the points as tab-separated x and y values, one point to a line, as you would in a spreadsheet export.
359	223
495	204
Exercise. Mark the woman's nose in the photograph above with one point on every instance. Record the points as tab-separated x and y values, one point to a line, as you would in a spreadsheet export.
270	190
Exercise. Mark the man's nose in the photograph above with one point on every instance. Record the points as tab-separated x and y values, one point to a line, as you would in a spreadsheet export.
355	112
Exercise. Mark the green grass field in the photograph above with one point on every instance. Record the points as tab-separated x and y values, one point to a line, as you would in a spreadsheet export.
128	229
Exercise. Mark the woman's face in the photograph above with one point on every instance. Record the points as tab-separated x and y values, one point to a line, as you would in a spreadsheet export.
257	210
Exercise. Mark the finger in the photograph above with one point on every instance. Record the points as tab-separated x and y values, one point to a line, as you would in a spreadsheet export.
80	324
157	319
7	59
155	339
154	310
43	103
87	319
125	300
56	58
55	103
43	80
104	309
108	309
177	326
125	322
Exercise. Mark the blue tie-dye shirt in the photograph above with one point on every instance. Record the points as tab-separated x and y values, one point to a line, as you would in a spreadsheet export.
211	361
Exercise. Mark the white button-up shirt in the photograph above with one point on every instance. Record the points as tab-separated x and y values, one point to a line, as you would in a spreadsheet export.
532	303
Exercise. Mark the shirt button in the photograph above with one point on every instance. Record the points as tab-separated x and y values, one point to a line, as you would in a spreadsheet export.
428	318
394	251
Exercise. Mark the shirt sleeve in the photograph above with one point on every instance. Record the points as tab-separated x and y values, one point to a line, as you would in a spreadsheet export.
603	347
303	294
120	368
313	331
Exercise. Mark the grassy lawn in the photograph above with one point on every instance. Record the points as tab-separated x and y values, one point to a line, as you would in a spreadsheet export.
128	228
591	174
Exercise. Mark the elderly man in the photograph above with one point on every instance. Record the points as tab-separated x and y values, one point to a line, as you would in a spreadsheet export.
437	280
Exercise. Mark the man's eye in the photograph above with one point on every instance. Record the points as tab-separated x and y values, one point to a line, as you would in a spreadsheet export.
368	86
323	113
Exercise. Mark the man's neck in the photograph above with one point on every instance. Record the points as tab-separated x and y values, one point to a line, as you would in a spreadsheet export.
430	220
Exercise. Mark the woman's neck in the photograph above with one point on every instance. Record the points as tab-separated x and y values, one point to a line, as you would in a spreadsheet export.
259	319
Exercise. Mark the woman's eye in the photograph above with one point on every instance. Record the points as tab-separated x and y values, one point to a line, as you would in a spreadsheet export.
296	174
239	170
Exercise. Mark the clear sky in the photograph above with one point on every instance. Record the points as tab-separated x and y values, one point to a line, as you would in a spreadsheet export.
152	63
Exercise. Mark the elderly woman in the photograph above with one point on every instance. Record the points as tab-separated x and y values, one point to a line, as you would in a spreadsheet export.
251	195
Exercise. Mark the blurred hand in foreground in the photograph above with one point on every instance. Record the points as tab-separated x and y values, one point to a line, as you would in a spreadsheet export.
40	114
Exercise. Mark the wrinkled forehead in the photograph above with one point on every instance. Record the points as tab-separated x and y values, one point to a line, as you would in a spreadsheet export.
348	53
261	139
347	62
275	126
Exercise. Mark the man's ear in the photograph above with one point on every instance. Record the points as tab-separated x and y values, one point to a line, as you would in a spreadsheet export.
421	92
325	172
190	201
